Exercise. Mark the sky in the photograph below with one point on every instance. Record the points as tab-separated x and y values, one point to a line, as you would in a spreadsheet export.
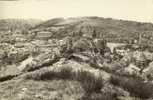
136	10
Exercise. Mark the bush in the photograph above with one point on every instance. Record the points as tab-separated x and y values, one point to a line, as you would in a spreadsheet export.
136	87
65	73
89	81
47	74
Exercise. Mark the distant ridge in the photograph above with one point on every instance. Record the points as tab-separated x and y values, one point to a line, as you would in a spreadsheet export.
107	27
8	24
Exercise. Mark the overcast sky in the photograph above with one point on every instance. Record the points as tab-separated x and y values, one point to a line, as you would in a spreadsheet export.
138	10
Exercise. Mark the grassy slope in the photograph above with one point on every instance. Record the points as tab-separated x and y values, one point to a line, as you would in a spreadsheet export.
41	90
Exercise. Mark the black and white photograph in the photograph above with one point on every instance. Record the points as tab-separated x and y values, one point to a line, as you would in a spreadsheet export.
76	49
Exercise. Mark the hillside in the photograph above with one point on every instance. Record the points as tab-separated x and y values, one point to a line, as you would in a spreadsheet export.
75	59
114	30
17	24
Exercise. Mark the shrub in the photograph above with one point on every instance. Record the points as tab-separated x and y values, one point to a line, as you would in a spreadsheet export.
89	81
135	86
47	74
8	77
65	73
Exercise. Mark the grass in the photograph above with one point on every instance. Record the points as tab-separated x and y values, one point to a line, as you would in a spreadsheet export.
100	96
41	90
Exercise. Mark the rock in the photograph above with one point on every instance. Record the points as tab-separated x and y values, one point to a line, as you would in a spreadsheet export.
23	92
25	63
24	89
2	54
149	69
80	57
148	72
132	68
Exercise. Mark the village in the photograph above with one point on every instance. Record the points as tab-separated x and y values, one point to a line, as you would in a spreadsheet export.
136	59
105	62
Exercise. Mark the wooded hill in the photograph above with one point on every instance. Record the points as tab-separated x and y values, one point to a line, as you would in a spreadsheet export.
112	29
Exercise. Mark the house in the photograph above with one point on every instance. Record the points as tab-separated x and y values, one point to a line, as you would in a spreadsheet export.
2	54
112	46
140	59
149	55
43	35
121	50
19	37
19	45
132	69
